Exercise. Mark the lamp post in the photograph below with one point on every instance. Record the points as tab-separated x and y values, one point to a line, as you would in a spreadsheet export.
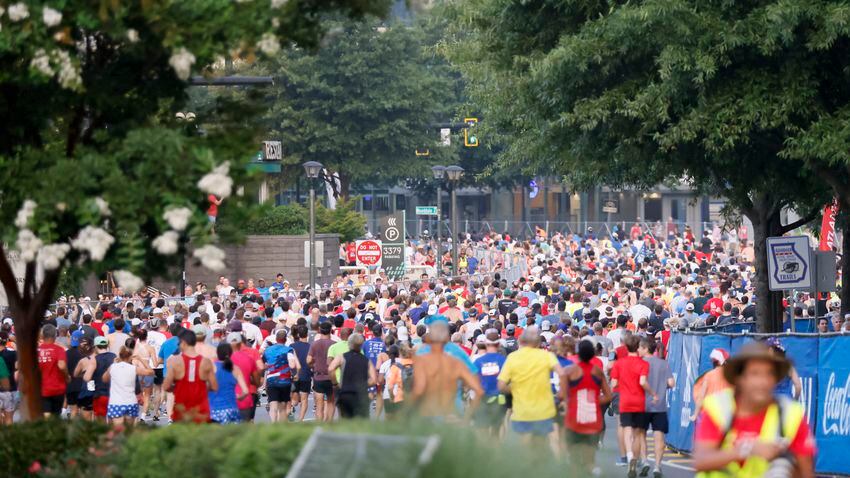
439	174
313	169
454	173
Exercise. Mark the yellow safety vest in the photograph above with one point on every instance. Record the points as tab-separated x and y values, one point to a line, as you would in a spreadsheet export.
720	407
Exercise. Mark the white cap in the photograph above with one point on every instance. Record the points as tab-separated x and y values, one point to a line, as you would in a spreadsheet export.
402	333
690	306
432	309
234	338
135	322
156	311
546	325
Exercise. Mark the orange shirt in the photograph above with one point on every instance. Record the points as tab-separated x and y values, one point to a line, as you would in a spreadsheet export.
712	382
394	380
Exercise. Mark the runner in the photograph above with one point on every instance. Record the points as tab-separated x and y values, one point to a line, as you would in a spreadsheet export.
356	375
526	376
145	353
52	363
8	398
491	414
231	388
121	376
581	385
156	338
712	381
317	360
281	365
243	359
744	431
660	379
190	375
398	373
301	386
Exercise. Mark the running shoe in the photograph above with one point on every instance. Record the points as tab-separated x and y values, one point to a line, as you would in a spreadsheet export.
622	461
656	473
644	469
633	468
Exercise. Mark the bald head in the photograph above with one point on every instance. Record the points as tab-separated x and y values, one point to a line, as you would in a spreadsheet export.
530	337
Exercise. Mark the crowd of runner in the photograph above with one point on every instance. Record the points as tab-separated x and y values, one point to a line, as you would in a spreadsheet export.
582	333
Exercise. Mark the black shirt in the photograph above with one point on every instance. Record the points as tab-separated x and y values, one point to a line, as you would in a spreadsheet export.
73	357
10	357
506	306
355	373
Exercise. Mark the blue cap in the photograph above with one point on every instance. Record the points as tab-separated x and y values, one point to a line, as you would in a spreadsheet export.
431	319
75	337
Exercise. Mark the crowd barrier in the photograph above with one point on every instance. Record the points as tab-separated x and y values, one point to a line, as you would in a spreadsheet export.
822	361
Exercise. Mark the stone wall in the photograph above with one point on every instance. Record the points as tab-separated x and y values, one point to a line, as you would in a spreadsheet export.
264	257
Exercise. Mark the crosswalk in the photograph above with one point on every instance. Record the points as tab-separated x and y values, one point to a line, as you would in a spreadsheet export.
671	458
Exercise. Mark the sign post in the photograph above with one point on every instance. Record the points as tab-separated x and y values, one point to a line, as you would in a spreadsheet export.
392	249
790	265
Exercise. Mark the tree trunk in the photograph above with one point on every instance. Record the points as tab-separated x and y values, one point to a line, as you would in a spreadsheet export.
344	186
768	304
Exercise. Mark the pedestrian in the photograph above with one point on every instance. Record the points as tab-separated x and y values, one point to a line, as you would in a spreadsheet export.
281	365
231	388
302	380
145	353
357	375
710	382
630	374
745	431
121	376
8	398
399	378
250	368
53	366
581	385
526	374
491	413
317	360
660	379
190	376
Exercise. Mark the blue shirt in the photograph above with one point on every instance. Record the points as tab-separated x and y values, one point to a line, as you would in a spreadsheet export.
264	292
169	347
111	324
276	358
225	397
454	350
372	348
417	313
489	365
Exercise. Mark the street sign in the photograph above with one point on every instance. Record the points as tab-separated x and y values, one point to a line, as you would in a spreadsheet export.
445	136
789	263
368	253
426	210
610	206
320	254
272	150
392	249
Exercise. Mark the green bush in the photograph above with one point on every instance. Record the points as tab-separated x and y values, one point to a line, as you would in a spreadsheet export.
45	441
294	219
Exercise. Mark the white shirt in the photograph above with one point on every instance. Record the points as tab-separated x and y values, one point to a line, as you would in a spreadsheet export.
616	337
155	340
252	332
122	384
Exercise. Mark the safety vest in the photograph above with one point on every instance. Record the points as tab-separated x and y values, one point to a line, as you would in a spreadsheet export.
720	407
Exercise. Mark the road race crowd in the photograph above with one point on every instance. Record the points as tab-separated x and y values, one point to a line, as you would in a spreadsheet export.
582	333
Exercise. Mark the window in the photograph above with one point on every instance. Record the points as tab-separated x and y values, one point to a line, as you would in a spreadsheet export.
382	202
400	202
367	202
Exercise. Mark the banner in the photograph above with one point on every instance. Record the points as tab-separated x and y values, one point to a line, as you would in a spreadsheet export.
827	227
709	343
681	434
833	415
803	352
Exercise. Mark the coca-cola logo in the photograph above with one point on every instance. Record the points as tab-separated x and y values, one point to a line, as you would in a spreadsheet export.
836	407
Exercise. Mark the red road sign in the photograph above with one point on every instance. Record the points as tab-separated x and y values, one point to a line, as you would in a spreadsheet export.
368	253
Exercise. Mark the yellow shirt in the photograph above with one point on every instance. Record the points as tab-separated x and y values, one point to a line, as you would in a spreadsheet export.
529	372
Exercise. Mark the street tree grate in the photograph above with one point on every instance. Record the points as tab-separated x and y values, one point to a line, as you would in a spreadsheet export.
360	455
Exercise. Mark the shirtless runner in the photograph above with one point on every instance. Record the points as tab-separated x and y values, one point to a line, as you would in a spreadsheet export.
436	375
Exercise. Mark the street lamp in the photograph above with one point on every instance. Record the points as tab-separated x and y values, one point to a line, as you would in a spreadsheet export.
453	173
313	169
439	174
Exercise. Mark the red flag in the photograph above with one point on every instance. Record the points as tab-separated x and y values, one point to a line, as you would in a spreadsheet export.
827	227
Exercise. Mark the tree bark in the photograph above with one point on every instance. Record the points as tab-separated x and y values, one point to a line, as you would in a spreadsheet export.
344	186
766	223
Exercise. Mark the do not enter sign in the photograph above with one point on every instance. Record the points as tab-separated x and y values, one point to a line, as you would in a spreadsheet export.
368	253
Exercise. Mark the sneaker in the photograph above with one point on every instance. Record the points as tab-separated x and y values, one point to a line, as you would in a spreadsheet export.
656	473
156	418
610	412
596	471
644	469
633	468
622	461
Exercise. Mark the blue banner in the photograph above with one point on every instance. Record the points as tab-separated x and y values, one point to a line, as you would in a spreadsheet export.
681	434
677	421
709	343
803	352
738	342
832	427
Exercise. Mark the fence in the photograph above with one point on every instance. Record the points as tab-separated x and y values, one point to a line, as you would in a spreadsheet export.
820	360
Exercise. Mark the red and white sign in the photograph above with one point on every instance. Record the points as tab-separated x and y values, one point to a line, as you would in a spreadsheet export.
368	253
827	227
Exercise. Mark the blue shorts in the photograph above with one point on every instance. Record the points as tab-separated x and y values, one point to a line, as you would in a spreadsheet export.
535	427
118	411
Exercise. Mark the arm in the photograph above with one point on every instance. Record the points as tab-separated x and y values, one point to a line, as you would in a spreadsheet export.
4	384
168	381
335	364
310	360
88	371
806	466
208	374
473	383
373	375
607	396
294	364
797	384
240	380
106	375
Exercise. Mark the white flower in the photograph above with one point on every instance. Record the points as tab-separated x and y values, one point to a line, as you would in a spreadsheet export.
178	218
93	240
269	44
166	244
127	281
276	22
182	61
18	11
211	257
61	206
51	17
28	244
278	3
50	256
41	62
69	77
102	206
217	181
132	35
25	213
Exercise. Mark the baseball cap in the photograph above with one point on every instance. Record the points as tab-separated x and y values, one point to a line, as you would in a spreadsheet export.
491	337
546	325
75	337
511	328
100	341
136	322
432	309
493	312
157	311
690	306
719	355
234	326
234	338
199	330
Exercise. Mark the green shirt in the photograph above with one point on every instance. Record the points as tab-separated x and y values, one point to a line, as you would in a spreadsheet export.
335	351
4	371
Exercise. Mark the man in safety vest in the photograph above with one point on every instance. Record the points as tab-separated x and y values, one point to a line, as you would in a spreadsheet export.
744	431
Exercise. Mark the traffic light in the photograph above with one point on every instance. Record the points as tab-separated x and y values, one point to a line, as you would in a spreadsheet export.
470	138
423	152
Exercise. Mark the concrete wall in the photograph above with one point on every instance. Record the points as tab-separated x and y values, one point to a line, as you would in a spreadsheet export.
264	256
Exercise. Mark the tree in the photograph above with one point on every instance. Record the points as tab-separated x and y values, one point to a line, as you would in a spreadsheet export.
294	219
365	101
636	93
95	174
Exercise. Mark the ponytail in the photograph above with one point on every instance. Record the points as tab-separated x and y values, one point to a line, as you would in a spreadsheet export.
223	351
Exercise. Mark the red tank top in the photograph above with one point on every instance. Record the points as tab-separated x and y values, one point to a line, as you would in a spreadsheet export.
583	412
190	393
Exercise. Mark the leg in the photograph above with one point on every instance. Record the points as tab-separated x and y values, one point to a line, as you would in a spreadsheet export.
659	448
554	442
304	399
273	411
320	406
169	404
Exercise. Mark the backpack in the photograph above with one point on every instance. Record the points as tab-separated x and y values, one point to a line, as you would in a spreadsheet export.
406	376
511	345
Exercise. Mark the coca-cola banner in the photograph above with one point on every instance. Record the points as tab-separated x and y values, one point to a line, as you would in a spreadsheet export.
833	417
